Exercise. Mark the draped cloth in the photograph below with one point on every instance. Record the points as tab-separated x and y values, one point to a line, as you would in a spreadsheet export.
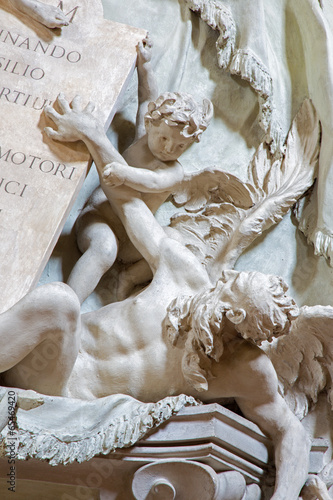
242	49
64	430
317	36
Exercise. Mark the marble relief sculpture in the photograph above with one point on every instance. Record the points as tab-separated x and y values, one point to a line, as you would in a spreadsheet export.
186	322
203	334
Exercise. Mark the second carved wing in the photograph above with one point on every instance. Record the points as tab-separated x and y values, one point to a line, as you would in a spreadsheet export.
303	359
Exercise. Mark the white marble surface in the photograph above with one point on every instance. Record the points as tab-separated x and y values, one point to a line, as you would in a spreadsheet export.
182	40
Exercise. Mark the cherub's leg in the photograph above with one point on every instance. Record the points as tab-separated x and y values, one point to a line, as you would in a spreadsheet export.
48	15
134	275
40	339
99	246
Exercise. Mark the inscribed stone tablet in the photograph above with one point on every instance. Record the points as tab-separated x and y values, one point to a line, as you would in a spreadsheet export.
39	178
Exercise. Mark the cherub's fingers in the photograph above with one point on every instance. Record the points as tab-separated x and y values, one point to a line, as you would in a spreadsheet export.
60	16
60	22
76	103
54	18
140	48
147	41
90	107
63	103
52	113
53	134
57	23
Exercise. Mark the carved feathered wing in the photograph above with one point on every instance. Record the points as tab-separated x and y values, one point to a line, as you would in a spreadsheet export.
212	185
220	232
303	359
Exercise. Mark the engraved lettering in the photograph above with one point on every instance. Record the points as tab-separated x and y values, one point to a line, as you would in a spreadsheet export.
23	99
72	172
44	169
45	103
18	95
35	45
13	70
61	6
35	72
5	154
3	93
26	69
56	54
11	38
60	170
26	43
19	162
5	68
39	44
24	188
20	69
12	187
73	57
9	183
33	160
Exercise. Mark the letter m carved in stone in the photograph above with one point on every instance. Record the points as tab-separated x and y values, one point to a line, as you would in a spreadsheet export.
71	12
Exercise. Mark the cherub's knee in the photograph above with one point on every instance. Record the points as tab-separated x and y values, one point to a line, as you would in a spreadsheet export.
103	253
57	303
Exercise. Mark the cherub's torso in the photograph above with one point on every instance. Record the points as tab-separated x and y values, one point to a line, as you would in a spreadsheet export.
123	347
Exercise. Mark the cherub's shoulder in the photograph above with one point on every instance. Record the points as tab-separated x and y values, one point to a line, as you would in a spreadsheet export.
136	150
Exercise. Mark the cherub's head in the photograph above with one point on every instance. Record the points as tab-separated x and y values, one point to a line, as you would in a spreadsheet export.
173	122
256	304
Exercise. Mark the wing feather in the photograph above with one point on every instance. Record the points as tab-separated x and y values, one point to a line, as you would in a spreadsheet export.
303	359
224	229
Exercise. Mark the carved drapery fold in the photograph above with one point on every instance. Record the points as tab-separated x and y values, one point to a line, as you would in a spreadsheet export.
243	61
65	430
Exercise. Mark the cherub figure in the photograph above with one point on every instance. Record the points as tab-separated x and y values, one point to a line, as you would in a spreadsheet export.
148	169
48	15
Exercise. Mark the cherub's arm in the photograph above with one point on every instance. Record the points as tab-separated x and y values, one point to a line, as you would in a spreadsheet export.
260	401
48	15
147	86
143	180
80	124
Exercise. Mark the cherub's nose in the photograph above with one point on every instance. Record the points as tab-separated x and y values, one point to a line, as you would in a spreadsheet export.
168	146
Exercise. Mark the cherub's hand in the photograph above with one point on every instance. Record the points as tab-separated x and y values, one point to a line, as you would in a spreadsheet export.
112	175
144	50
48	15
75	123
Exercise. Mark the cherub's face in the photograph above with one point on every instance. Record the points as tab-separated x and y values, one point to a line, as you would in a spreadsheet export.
165	142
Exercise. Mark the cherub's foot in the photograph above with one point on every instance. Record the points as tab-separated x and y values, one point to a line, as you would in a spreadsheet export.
48	15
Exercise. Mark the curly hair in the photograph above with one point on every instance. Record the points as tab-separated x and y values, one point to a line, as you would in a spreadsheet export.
176	109
196	323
